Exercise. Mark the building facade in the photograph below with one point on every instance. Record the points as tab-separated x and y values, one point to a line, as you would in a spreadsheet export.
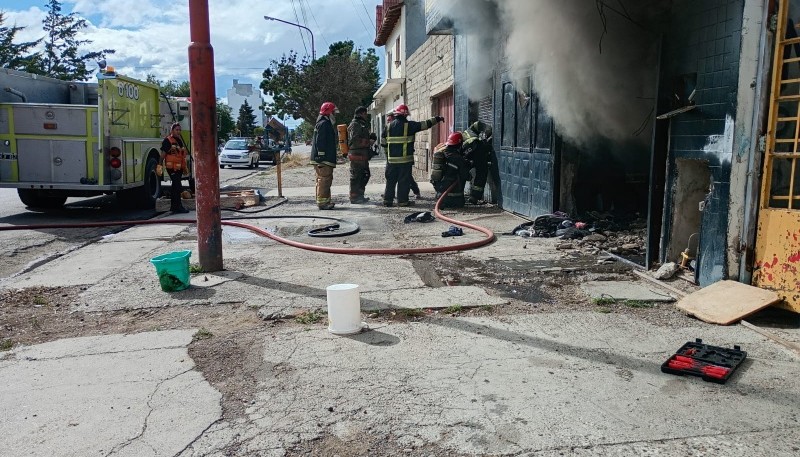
419	73
239	93
713	169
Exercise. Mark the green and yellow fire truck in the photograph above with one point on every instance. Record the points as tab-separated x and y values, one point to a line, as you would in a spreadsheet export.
61	139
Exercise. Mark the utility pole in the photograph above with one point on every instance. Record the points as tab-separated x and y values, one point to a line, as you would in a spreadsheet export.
204	134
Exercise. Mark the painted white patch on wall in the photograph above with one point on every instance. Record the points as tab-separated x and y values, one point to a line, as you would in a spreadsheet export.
722	145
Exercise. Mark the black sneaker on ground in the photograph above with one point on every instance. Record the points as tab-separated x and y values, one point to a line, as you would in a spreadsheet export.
409	203
328	205
388	204
358	201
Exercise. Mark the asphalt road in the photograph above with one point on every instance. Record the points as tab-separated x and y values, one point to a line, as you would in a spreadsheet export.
23	250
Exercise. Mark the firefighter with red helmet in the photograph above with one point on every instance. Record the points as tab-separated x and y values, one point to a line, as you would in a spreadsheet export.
399	141
173	154
479	154
449	166
323	153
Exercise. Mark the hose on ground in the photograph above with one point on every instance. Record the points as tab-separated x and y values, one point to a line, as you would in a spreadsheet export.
489	235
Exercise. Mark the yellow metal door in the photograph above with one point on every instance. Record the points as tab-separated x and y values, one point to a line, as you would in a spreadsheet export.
778	240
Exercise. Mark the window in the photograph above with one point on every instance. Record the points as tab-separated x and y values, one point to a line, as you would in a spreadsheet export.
397	52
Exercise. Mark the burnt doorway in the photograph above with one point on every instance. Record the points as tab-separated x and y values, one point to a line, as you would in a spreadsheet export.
524	146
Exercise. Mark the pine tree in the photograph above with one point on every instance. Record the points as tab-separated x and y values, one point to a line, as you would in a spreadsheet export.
246	123
14	55
61	58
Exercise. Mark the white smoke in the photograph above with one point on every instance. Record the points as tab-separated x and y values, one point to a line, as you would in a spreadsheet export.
477	22
593	69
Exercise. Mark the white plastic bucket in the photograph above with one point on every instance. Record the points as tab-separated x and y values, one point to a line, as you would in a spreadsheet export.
344	309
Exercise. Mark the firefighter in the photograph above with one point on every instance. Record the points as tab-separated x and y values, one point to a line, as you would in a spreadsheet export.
413	185
359	142
449	166
323	153
479	154
173	154
399	143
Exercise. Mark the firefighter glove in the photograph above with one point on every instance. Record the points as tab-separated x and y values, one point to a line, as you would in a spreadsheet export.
440	118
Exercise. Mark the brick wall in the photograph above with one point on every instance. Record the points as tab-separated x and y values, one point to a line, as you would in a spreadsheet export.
429	72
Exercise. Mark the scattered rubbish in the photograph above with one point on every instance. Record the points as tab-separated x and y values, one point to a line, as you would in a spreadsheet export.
344	309
419	217
173	270
453	231
712	363
666	271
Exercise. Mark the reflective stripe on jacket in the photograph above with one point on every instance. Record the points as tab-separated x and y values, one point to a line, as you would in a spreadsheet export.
400	139
323	144
175	161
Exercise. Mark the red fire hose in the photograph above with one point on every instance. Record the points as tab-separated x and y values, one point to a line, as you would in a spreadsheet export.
490	237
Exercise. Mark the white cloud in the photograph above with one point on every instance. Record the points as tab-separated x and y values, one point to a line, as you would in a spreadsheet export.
152	36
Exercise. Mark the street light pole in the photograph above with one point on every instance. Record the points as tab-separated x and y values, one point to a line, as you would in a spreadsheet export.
313	51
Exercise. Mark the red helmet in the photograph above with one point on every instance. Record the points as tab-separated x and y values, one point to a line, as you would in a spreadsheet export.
327	109
454	139
401	110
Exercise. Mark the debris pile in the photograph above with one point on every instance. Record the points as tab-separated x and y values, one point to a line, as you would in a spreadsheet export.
593	233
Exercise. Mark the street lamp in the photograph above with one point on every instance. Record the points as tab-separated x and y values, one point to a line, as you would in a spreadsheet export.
313	52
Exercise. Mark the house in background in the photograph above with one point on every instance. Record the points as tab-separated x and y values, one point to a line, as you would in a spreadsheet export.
241	92
418	71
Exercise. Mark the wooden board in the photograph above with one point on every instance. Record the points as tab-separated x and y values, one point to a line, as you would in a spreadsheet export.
235	200
726	302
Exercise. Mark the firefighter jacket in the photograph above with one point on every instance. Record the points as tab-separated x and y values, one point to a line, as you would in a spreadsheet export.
174	154
323	144
476	151
358	140
449	165
399	139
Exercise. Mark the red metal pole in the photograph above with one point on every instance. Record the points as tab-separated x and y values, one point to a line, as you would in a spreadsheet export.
204	134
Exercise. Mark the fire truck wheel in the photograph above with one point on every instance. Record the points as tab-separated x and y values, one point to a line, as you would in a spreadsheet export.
144	196
38	199
151	189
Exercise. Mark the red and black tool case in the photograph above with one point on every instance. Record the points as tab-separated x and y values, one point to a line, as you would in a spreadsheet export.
712	363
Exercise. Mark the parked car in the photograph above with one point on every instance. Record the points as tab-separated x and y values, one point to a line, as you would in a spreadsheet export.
239	152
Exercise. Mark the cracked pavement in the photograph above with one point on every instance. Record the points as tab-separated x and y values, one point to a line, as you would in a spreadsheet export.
120	395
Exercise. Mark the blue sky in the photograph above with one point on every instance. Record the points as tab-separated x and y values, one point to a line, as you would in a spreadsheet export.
152	36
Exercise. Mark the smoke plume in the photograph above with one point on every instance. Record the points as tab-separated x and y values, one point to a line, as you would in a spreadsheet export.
593	66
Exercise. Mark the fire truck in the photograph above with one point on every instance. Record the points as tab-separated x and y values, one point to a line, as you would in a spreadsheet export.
61	139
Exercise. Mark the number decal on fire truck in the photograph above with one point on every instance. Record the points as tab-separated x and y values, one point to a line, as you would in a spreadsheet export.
128	90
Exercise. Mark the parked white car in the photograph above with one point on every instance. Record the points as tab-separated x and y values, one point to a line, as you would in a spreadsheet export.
239	152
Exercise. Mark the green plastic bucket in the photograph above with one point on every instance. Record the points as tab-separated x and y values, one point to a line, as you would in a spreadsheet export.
173	270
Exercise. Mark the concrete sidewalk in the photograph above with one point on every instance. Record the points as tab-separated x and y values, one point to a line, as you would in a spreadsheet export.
561	382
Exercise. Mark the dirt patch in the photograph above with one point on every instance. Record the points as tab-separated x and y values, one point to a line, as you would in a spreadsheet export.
227	349
365	444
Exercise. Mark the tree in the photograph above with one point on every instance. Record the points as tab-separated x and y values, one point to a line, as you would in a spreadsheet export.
62	58
225	124
346	76
246	123
14	55
304	131
171	88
